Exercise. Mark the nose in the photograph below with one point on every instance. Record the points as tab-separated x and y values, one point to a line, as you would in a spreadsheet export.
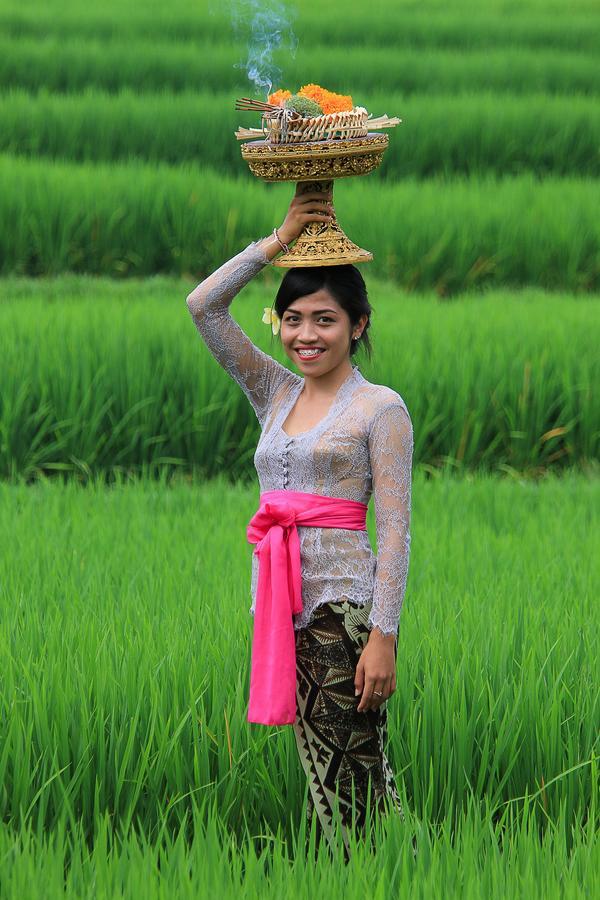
307	336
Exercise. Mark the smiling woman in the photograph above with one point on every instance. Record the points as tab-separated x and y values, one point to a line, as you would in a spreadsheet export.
319	335
326	609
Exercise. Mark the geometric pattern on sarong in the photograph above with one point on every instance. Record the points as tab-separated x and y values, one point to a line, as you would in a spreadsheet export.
339	747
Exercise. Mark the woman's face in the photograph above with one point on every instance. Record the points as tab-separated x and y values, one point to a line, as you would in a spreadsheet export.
316	321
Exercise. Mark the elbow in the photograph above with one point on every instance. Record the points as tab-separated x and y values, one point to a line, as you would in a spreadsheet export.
194	303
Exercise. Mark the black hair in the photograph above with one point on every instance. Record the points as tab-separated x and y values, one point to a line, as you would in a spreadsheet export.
345	284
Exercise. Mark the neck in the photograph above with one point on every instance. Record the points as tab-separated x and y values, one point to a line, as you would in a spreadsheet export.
329	383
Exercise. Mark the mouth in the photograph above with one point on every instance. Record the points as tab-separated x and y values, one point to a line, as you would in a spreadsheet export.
311	354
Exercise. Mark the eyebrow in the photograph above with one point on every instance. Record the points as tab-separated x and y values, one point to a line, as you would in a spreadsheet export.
315	312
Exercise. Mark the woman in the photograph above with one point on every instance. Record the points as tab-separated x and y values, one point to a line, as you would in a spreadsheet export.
328	432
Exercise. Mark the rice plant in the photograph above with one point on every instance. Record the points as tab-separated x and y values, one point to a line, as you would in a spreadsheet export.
447	234
120	380
471	133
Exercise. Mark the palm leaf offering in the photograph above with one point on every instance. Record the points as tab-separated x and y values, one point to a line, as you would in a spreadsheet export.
312	114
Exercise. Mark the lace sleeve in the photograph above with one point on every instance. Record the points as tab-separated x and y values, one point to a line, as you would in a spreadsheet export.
257	373
391	449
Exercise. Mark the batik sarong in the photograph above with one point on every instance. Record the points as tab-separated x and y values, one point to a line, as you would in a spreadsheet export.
340	748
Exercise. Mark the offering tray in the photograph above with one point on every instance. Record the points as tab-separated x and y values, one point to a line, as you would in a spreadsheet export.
314	165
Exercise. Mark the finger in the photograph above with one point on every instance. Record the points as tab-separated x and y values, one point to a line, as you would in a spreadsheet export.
376	699
314	206
322	210
359	679
367	693
311	217
386	690
318	207
314	195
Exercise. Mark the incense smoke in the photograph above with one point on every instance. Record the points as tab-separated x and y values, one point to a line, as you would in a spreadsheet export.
266	26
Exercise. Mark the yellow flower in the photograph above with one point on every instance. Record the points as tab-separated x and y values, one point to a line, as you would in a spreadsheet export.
271	318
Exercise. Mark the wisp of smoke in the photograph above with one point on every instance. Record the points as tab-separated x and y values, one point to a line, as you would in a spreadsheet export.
266	26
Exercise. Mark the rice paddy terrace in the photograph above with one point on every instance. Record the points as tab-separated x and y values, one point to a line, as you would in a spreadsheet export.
125	756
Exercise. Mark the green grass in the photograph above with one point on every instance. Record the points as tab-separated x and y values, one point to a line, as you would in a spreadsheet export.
74	62
136	219
123	708
535	25
471	133
99	377
205	860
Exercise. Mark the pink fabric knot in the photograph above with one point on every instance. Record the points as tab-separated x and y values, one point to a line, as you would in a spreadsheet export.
279	549
273	528
280	512
272	513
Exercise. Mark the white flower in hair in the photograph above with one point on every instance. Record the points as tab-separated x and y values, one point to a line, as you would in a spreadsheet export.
271	318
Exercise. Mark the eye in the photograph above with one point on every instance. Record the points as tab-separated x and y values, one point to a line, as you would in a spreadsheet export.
327	318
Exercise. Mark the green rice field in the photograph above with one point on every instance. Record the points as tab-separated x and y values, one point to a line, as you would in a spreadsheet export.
127	766
124	697
125	384
445	134
446	234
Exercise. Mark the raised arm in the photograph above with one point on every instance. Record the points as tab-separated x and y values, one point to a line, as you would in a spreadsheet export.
257	373
391	450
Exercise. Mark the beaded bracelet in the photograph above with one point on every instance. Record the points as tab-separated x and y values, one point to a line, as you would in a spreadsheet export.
283	246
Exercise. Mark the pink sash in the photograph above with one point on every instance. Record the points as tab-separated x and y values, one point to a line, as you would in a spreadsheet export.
279	594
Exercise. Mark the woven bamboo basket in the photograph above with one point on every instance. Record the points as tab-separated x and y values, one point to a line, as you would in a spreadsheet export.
285	126
281	127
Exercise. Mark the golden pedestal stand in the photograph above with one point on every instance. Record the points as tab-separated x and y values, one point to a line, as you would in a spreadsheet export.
315	165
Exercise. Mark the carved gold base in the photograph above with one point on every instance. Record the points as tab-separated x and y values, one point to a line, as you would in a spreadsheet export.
329	253
322	244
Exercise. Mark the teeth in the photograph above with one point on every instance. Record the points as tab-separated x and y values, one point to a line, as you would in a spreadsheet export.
309	352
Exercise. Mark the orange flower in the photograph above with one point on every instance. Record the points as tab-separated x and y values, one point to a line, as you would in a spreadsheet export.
329	101
278	98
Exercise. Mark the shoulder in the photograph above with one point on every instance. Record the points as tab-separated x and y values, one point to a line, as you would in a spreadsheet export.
287	383
285	377
386	403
